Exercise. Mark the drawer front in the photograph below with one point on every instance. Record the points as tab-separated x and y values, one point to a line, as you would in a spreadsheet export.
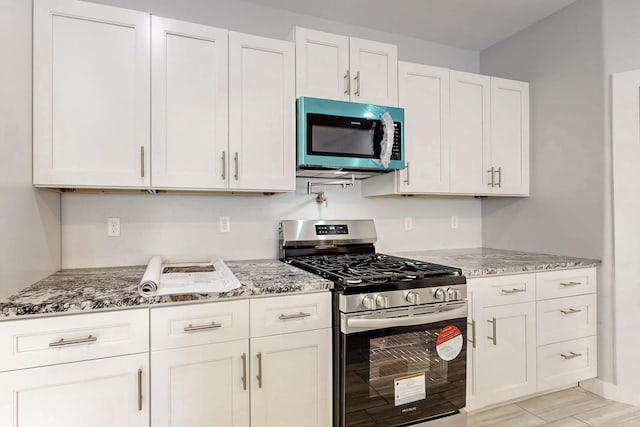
197	324
567	318
566	363
556	284
502	290
51	340
292	313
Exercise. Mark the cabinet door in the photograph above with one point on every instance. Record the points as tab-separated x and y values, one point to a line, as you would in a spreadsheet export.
98	393
510	136
322	65
424	95
261	113
190	105
470	133
374	72
291	380
91	95
505	352
201	386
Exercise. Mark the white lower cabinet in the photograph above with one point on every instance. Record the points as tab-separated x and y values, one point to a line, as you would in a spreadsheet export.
99	393
530	333
201	386
290	381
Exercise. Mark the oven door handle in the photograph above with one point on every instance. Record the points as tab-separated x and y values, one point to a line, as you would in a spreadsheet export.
361	324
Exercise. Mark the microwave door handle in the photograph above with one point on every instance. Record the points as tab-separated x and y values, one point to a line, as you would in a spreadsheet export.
420	319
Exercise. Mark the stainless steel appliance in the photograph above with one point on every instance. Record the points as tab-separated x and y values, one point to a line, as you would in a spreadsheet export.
399	327
337	137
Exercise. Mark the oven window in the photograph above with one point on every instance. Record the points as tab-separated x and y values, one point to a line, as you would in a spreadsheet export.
343	141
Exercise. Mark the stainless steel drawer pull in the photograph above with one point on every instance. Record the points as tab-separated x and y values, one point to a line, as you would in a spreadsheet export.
236	162
141	161
570	311
357	80
491	173
212	325
493	338
473	333
407	172
139	389
62	341
244	371
224	165
570	283
293	316
347	82
499	172
259	376
571	355
513	291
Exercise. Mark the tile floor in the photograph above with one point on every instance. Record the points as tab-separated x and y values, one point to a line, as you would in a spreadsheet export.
574	407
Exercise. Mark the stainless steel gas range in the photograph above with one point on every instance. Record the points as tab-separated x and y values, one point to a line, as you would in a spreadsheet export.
399	327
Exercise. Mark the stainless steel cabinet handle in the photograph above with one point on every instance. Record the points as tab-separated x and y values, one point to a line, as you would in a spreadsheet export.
224	165
408	172
212	325
570	311
139	389
357	80
473	333
347	82
244	371
293	316
62	341
235	159
491	172
499	172
571	355
493	338
570	283
259	376
141	161
513	291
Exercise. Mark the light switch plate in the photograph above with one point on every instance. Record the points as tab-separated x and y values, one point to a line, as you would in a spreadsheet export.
225	224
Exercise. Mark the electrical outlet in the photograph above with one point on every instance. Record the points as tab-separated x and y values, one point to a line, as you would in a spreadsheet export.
408	223
454	221
113	227
225	224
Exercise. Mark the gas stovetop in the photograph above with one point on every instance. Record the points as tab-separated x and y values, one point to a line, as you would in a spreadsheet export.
356	269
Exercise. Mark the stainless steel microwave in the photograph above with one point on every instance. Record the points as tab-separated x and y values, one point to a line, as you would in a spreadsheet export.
337	137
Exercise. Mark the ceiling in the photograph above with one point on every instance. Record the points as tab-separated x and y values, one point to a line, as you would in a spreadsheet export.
467	24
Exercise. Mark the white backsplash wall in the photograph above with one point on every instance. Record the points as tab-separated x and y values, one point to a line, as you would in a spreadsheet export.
186	227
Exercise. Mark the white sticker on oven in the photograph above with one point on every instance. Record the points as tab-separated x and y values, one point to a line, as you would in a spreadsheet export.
409	389
449	343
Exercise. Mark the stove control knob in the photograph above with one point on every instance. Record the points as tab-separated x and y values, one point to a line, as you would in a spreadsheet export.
440	294
369	302
413	298
382	301
452	294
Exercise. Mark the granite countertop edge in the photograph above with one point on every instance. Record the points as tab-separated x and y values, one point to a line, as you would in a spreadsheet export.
93	290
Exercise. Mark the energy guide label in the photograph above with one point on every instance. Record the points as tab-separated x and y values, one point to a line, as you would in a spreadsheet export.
449	343
409	389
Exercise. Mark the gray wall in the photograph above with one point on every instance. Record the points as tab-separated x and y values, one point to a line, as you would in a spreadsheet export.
29	218
238	15
569	211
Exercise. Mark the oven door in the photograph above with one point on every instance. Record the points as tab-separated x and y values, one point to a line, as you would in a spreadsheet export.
402	366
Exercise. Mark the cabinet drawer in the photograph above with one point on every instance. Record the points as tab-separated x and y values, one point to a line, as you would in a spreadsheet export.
567	318
566	362
502	290
554	284
292	313
46	341
196	324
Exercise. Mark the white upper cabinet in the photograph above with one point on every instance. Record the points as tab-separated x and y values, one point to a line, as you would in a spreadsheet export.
470	132
322	65
90	95
261	113
190	105
345	68
424	95
510	136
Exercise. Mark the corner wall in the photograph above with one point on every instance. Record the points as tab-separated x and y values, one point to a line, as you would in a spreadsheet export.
29	218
